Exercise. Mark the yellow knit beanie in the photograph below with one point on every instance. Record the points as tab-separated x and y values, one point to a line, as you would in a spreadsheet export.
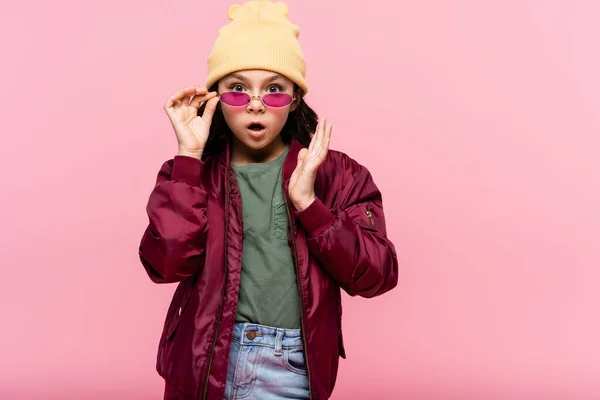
259	36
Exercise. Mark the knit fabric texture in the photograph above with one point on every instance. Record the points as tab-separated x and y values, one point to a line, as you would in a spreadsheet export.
259	36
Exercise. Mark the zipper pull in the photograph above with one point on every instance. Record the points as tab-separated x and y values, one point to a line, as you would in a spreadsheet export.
370	217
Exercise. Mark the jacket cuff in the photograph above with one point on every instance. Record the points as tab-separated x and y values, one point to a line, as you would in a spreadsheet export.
187	169
316	218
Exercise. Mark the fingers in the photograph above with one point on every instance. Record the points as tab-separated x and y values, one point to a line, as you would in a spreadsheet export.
184	95
320	141
315	135
210	108
200	98
299	163
327	138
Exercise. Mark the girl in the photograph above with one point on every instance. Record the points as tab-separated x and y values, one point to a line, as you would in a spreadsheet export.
260	224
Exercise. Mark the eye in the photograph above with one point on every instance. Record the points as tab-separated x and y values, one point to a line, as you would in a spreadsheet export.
236	87
274	89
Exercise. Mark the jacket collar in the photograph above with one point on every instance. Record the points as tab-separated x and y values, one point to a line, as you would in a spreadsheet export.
289	163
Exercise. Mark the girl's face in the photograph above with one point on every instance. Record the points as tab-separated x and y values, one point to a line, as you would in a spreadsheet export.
256	126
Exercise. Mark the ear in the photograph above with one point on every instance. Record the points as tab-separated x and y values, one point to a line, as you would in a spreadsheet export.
297	98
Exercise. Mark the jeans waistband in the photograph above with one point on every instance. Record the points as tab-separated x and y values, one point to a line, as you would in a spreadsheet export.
250	334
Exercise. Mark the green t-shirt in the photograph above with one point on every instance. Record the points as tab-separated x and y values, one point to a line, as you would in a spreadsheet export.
268	289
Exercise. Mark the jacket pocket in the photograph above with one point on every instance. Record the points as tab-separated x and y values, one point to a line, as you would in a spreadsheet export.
369	214
180	301
362	213
342	350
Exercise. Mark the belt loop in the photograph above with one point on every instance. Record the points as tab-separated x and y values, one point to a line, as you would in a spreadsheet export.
242	326
279	342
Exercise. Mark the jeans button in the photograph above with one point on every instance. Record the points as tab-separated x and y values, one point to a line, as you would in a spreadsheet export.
251	335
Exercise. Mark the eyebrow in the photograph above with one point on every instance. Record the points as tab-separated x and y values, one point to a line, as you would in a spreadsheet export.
242	78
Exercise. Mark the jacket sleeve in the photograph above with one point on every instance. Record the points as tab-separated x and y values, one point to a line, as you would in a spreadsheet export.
174	244
350	240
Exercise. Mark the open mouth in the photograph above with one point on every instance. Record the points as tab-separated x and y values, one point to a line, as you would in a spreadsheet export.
256	127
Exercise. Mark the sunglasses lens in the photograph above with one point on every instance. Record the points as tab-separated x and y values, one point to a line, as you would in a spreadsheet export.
235	99
277	99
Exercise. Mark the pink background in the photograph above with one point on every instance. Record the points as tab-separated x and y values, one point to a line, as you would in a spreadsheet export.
479	120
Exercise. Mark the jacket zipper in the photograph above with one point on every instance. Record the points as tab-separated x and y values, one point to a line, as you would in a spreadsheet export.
212	349
370	217
295	259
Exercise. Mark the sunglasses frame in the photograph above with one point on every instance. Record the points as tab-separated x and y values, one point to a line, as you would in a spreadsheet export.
256	97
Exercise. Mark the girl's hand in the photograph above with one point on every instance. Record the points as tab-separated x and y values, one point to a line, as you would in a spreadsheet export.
302	181
191	130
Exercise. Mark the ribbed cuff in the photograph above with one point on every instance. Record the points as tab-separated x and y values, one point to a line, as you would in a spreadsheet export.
316	218
187	169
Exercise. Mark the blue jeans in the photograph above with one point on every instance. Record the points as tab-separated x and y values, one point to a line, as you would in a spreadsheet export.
266	363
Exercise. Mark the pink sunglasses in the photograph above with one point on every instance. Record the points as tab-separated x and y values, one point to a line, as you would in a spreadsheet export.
241	99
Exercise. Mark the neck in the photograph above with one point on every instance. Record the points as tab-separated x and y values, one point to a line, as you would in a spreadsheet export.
242	154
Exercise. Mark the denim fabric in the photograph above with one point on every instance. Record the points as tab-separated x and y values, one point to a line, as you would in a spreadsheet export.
266	363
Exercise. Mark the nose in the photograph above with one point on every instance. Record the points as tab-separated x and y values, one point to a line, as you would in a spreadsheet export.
256	104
